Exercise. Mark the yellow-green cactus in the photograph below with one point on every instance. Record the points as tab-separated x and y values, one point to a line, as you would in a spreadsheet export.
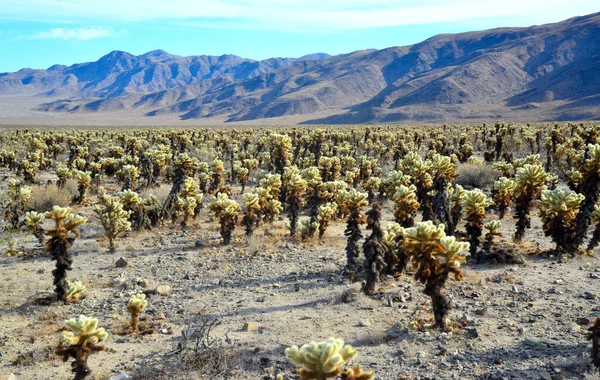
62	235
492	230
296	186
434	256
529	182
135	306
558	211
596	223
227	211
352	203
327	213
405	205
74	291
84	180
34	222
113	217
502	193
251	217
473	204
83	339
322	360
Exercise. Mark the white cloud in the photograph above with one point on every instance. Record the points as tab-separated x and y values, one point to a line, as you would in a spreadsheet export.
80	34
295	15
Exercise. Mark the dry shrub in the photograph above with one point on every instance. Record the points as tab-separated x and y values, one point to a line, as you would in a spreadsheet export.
161	192
43	198
476	176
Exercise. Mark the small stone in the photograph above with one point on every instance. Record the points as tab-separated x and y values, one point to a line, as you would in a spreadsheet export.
121	376
589	296
533	319
515	289
160	316
117	282
250	326
364	323
200	244
594	275
348	296
559	281
121	263
583	321
164	290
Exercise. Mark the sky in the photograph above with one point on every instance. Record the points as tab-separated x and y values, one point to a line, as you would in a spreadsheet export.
40	33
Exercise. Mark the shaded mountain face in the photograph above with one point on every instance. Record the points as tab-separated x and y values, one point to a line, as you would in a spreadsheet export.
549	71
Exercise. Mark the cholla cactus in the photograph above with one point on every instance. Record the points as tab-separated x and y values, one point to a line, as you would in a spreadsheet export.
135	306
529	181
227	211
393	180
281	147
405	205
306	228
62	235
327	213
295	188
474	203
84	180
590	188
18	196
34	221
130	175
434	256
456	198
375	251
558	211
217	181
502	193
371	185
492	230
504	167
594	336
324	360
251	217
596	222
352	202
63	175
74	291
83	339
114	219
184	166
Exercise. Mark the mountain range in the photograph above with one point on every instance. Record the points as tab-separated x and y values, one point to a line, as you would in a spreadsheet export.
547	72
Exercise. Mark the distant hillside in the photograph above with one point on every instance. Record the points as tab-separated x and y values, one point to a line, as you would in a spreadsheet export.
550	72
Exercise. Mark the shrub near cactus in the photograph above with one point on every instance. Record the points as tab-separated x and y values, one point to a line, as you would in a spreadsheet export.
434	256
83	339
324	360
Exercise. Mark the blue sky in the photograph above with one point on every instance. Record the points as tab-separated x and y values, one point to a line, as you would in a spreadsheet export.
40	33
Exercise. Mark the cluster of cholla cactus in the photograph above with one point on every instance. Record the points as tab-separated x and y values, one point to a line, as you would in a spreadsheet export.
189	200
352	203
227	211
405	205
84	180
474	203
251	218
325	360
184	166
434	256
114	219
84	339
61	238
34	222
558	211
529	182
17	198
502	194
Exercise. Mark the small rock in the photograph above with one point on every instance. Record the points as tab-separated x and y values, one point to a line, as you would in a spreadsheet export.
348	296
8	377
559	281
594	275
163	290
160	316
117	282
121	376
121	263
540	342
589	296
583	321
200	244
250	326
364	323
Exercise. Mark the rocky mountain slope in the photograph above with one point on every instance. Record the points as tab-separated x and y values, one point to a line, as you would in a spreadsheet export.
550	72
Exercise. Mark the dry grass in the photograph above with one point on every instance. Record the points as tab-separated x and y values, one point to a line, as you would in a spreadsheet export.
43	198
476	176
